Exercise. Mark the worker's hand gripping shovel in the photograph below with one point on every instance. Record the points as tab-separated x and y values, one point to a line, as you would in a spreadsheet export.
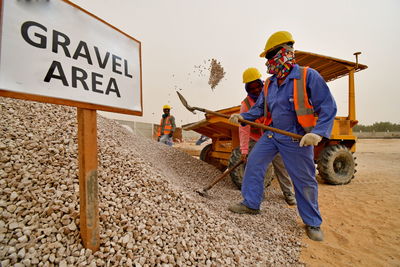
258	125
204	191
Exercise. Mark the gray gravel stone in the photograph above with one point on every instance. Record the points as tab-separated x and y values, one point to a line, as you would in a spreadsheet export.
149	212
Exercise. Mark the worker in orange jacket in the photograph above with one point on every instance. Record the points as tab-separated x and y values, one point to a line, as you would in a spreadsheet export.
167	127
249	135
295	99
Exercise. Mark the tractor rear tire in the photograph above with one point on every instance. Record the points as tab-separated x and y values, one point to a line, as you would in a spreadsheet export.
205	155
238	173
336	165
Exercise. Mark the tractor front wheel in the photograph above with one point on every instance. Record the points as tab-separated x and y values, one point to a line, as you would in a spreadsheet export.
336	165
205	155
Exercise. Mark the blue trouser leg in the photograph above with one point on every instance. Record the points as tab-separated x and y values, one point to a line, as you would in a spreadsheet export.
165	139
253	181
299	162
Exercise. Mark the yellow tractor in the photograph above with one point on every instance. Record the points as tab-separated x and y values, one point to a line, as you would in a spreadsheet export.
334	158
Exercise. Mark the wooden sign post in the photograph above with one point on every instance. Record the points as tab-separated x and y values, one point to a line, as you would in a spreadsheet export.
88	185
57	52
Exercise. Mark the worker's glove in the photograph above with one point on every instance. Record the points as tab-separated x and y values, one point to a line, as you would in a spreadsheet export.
234	118
310	139
170	135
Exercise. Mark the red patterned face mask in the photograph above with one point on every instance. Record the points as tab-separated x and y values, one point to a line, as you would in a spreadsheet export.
281	63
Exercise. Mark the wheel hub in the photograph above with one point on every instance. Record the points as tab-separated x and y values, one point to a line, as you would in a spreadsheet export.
339	165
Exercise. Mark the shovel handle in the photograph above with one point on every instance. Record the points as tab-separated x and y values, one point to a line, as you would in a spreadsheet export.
254	124
222	176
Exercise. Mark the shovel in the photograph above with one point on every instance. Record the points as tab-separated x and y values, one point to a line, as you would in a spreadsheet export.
204	191
254	124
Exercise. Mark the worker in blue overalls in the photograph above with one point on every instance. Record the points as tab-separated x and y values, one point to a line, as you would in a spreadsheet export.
289	100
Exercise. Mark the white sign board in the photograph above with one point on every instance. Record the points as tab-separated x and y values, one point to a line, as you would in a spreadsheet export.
56	50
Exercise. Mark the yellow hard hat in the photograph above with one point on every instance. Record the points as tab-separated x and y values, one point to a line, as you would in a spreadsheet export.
251	74
166	107
278	38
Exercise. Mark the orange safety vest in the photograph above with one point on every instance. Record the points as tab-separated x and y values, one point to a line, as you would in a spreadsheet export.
253	130
304	110
165	128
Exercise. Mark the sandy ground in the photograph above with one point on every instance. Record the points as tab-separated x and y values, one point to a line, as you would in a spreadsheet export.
362	219
191	148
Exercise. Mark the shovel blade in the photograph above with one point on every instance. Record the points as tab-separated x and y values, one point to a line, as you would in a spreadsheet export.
185	103
202	193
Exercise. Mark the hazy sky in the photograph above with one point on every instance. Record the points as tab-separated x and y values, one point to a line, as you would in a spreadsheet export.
176	35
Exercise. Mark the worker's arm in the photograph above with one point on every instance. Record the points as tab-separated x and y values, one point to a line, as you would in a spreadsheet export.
256	111
244	134
160	129
172	119
323	102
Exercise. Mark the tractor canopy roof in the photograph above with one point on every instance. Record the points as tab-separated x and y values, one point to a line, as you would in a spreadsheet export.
330	68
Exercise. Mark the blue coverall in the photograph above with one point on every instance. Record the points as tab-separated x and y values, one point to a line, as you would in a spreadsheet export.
299	161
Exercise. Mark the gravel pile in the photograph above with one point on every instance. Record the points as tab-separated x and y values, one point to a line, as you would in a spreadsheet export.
149	213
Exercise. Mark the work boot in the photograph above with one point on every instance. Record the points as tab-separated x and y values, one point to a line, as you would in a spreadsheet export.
314	233
290	199
242	209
